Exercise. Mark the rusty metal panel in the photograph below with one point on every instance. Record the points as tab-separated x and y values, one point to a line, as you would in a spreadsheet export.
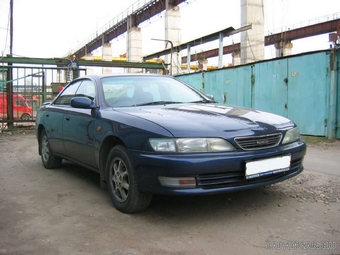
230	86
303	32
337	92
308	92
269	86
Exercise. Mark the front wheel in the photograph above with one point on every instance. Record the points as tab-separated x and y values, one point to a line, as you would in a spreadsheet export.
25	116
47	157
122	182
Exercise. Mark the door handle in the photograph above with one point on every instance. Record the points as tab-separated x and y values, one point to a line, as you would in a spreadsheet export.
67	118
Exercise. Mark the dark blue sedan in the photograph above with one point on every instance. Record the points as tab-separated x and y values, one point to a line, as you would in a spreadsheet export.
152	134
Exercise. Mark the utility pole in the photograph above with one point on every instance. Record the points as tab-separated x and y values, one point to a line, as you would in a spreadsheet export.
10	74
11	28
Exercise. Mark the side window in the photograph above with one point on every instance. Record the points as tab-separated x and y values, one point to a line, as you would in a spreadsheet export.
86	89
67	94
20	102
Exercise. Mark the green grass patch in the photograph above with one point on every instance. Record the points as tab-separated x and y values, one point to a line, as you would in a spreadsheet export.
314	139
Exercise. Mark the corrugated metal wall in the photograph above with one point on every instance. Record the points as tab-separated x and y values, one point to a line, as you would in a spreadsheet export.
304	88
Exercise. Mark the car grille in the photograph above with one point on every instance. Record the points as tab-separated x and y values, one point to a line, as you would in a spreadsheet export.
233	179
258	142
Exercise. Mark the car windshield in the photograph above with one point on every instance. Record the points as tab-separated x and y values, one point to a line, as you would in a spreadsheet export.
122	91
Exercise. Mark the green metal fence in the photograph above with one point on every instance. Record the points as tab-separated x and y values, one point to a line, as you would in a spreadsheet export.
25	83
30	86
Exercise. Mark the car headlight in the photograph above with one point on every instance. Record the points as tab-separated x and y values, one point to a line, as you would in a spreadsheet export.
291	135
163	145
191	145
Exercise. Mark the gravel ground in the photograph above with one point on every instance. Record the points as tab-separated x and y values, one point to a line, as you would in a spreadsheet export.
64	211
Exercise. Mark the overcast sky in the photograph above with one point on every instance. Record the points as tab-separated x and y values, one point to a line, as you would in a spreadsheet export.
54	28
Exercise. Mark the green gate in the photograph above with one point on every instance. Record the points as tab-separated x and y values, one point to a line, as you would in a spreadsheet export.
305	88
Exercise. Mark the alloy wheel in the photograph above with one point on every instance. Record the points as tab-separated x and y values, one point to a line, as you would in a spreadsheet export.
120	180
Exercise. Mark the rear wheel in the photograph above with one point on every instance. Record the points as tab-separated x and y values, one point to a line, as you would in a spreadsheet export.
47	157
122	182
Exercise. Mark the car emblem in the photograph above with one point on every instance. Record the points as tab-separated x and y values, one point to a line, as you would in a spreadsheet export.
262	142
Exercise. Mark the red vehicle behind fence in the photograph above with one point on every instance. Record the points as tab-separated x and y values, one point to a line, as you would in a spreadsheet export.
21	109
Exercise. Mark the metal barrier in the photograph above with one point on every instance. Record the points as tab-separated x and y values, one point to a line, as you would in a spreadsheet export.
30	86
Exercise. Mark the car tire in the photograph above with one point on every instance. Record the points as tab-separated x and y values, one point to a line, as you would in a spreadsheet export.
47	157
25	116
122	183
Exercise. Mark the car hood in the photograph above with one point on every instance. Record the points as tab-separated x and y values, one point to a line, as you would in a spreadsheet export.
211	120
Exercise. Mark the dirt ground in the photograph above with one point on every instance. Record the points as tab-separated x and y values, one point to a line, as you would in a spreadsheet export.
64	211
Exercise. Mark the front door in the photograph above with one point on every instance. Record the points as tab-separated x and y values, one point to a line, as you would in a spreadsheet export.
78	128
78	124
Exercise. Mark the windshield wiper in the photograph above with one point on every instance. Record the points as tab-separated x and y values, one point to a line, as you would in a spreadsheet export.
158	103
203	101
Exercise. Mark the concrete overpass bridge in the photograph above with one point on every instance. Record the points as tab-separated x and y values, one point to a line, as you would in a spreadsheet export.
250	49
141	11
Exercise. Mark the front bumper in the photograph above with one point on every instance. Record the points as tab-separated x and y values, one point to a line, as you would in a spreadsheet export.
214	172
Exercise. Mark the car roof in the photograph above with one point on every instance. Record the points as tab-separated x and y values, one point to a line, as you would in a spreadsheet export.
99	76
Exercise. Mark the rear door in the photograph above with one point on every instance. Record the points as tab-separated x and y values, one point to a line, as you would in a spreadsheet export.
53	117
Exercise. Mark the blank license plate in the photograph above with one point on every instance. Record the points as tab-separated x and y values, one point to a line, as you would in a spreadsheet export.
269	166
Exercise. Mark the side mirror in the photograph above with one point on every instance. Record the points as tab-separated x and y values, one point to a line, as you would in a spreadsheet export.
210	96
82	102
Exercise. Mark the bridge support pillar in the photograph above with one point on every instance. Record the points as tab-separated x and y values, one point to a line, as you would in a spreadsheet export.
252	41
283	48
89	70
173	34
107	56
133	44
